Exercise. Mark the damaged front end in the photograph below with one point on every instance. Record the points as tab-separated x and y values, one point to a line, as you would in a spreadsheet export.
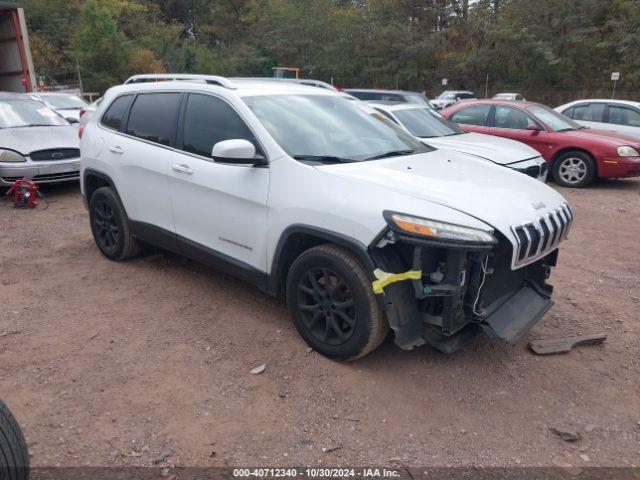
460	283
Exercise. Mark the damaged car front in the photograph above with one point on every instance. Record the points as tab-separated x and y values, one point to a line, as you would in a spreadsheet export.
464	250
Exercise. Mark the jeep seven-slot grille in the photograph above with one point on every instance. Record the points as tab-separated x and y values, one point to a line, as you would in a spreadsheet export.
539	237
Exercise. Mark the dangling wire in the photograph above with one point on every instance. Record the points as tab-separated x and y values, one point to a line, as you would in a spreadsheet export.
484	276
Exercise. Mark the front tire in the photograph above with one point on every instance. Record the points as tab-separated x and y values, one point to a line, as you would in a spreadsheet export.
333	305
110	226
574	169
14	454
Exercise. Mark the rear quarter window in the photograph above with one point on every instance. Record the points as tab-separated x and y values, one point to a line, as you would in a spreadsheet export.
114	115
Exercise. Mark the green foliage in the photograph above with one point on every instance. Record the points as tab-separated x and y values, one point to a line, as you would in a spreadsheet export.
412	44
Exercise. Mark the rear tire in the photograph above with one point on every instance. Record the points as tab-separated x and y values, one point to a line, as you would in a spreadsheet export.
574	169
333	305
110	226
14	454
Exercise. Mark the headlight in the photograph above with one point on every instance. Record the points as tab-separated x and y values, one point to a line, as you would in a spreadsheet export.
10	156
627	151
438	230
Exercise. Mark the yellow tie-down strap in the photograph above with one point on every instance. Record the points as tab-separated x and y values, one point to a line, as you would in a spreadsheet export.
386	278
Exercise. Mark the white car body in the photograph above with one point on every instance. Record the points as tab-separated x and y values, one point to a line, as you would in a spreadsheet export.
243	213
624	119
451	97
66	104
509	96
501	151
85	113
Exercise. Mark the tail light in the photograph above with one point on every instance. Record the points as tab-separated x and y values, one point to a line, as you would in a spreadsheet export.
80	131
82	112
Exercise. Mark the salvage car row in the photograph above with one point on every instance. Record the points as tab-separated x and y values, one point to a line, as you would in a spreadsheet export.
576	157
365	216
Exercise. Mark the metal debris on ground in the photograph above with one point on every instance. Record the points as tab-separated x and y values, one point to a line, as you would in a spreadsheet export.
566	434
259	369
564	345
331	449
163	456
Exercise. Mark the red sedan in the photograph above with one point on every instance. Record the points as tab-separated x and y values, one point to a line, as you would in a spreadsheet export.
575	154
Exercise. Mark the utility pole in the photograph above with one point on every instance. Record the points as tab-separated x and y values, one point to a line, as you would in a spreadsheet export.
486	87
79	76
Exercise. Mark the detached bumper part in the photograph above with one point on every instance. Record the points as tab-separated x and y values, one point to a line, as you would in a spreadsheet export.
514	318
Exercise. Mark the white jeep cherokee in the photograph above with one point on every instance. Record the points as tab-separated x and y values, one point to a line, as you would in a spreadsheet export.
299	192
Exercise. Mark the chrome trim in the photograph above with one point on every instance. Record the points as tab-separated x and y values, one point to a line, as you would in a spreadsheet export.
561	217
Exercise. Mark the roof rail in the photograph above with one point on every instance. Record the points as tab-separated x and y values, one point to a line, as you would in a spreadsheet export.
168	77
301	81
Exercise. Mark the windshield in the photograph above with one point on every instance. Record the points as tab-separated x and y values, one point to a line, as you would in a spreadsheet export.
554	120
426	123
447	96
64	102
26	113
328	127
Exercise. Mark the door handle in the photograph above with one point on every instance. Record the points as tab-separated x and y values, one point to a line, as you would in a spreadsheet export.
117	150
182	168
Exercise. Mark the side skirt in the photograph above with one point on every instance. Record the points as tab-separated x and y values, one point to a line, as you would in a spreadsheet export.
172	242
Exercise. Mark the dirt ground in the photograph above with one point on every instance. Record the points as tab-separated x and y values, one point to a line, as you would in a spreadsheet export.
112	364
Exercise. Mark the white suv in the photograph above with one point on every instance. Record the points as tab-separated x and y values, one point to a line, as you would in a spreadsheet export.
294	189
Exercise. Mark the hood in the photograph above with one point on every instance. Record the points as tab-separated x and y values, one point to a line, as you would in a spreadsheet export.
29	139
613	138
498	196
496	149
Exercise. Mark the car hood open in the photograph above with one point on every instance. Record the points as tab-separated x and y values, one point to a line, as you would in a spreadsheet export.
498	196
30	139
496	149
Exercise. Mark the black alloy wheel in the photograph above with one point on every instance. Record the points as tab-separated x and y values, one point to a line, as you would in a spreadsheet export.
326	305
106	226
332	303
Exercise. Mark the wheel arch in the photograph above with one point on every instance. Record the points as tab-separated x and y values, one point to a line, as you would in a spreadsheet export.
92	180
296	239
564	150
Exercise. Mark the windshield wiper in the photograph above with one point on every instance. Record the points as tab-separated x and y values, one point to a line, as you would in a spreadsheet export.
566	129
392	153
323	158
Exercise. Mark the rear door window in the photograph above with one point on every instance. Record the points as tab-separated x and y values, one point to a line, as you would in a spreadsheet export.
154	117
114	115
209	120
624	116
473	115
589	112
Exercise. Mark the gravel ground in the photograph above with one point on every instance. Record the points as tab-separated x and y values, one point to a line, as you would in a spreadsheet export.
113	364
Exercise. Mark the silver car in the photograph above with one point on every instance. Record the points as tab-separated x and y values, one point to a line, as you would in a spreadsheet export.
66	104
36	143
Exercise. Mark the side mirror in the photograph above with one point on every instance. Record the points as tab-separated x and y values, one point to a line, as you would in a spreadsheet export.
236	151
71	119
533	127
